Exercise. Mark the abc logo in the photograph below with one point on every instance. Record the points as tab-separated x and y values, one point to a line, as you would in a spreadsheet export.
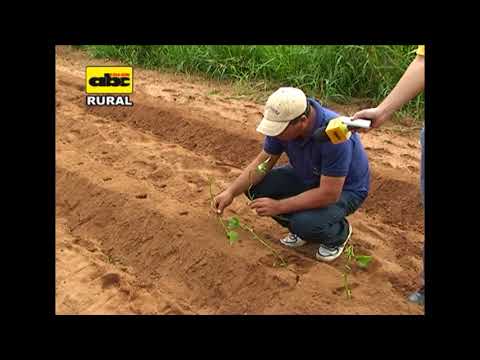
108	80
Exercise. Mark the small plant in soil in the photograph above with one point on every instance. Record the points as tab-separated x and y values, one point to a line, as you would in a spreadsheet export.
234	222
229	225
361	260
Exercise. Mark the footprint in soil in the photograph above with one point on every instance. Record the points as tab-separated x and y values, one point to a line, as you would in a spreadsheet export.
271	260
110	280
391	143
413	169
161	174
301	265
381	151
196	179
143	165
362	245
409	157
401	283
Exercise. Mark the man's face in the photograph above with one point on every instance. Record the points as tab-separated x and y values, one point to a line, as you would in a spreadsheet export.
293	131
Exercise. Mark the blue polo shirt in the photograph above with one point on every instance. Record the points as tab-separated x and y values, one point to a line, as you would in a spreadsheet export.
310	159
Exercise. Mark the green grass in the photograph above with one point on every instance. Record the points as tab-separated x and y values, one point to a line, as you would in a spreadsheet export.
330	72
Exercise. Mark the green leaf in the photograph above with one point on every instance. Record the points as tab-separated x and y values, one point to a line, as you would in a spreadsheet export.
233	222
232	236
363	260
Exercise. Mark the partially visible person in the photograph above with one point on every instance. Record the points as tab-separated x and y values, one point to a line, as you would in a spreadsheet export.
409	86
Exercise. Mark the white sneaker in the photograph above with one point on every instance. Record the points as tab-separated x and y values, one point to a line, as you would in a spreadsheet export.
325	253
292	240
418	297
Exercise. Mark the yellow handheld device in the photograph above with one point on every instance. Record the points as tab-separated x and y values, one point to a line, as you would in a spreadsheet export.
338	129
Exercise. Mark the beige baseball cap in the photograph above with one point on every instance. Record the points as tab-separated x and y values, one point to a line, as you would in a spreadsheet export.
284	105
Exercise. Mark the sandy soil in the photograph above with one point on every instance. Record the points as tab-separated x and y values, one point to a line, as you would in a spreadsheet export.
134	234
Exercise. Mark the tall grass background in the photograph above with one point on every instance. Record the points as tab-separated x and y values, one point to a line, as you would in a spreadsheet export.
339	73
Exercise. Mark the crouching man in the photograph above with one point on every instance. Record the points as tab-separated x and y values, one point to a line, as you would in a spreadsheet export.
322	184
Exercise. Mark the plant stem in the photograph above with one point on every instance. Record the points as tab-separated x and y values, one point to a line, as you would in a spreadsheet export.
217	214
349	254
245	227
264	243
223	224
345	284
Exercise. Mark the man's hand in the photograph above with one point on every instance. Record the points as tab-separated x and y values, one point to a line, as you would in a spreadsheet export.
266	206
221	201
375	115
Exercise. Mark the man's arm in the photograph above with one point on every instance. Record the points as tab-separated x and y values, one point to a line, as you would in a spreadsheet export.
326	194
242	183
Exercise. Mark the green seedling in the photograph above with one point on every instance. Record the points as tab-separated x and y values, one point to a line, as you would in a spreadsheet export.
361	260
234	223
231	235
